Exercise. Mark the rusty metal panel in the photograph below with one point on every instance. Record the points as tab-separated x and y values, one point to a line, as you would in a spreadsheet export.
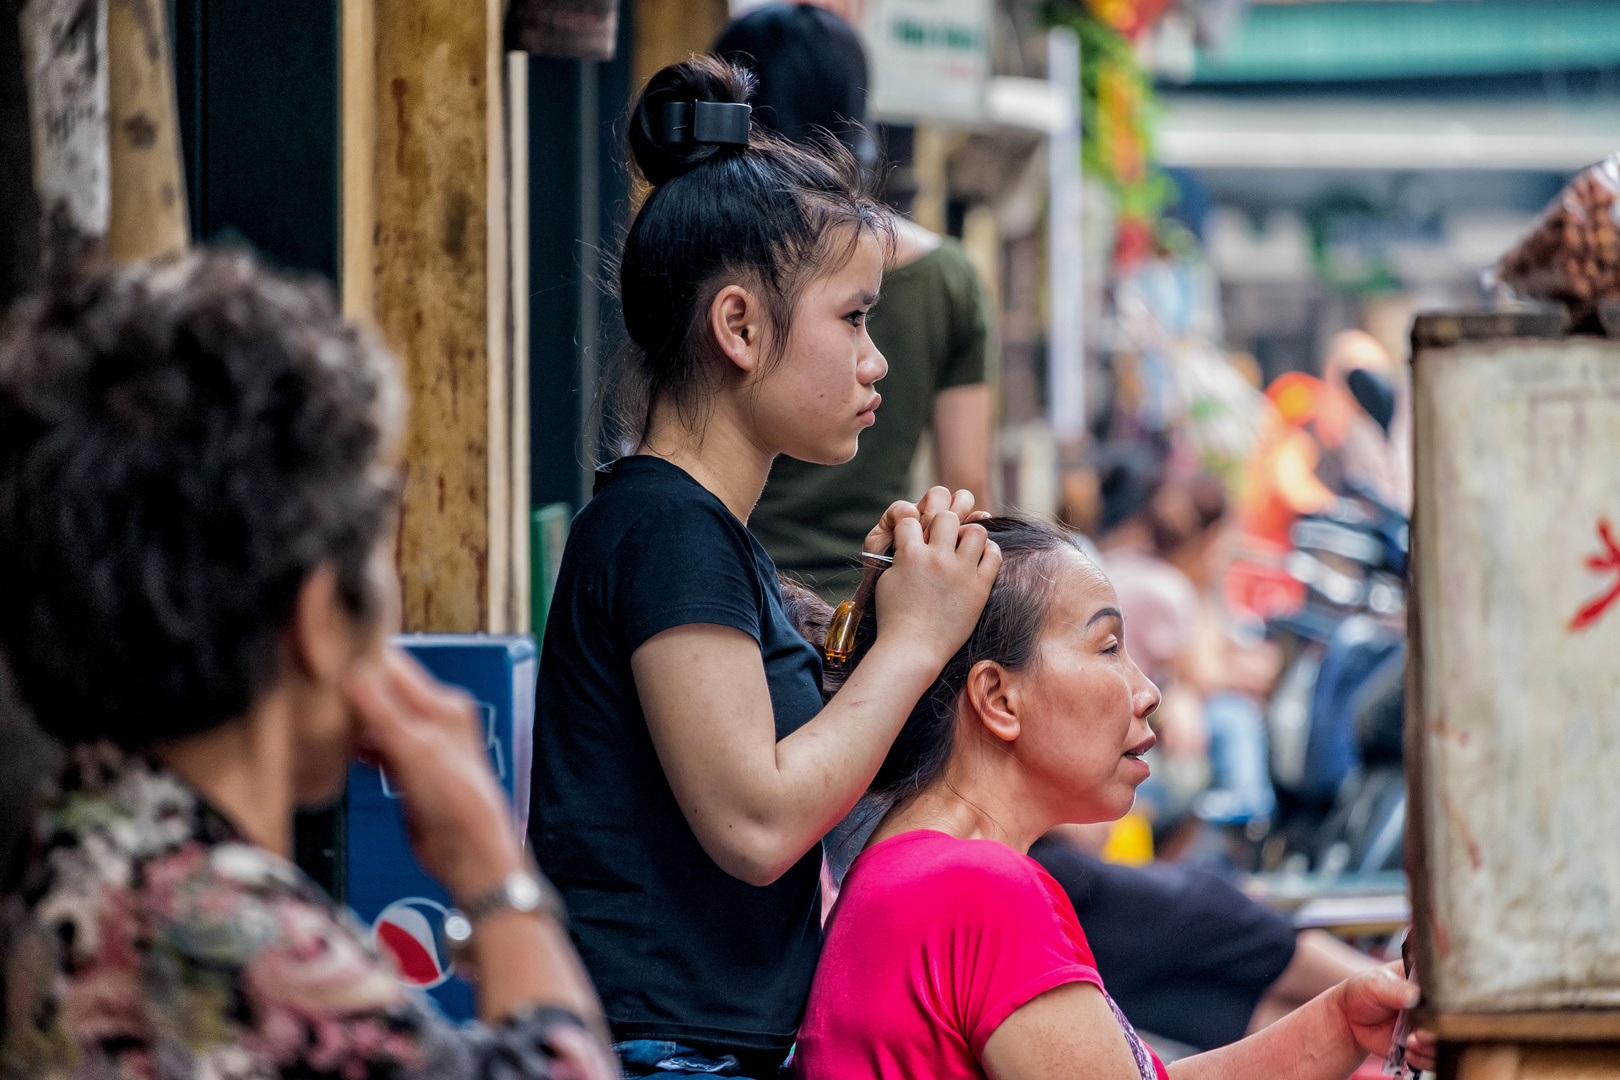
1514	719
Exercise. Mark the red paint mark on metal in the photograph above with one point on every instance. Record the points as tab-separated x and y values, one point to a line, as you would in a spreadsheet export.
1476	856
1442	940
1608	561
1443	730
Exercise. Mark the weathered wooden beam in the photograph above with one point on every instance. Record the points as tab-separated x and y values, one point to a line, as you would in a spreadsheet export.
358	222
148	216
440	293
581	29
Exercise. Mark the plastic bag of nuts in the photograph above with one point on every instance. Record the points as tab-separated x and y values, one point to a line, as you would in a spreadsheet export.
1573	252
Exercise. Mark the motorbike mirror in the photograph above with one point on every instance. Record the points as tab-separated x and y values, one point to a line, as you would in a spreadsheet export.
1374	394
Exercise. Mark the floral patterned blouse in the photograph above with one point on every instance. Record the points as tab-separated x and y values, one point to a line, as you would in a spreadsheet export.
151	940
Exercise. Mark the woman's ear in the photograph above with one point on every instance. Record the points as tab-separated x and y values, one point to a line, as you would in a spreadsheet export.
322	634
734	319
993	695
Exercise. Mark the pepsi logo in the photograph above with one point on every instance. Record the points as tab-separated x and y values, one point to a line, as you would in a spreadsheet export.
409	932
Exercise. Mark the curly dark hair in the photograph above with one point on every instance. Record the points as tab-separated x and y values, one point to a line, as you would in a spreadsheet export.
181	446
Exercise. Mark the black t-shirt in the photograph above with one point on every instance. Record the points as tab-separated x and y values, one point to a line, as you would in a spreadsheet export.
1182	951
679	949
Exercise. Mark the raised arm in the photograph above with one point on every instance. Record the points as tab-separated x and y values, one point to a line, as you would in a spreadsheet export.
756	804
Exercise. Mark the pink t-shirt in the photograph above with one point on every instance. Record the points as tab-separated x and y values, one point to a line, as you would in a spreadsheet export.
933	943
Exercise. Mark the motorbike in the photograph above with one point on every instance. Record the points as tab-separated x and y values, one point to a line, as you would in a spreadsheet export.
1334	721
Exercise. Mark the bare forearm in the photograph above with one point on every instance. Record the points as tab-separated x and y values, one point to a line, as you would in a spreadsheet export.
1312	1043
527	960
825	766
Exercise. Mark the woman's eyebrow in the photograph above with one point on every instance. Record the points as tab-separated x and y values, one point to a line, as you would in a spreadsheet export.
864	299
1103	613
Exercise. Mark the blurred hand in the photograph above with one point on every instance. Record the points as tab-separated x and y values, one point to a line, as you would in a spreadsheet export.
427	737
1370	1003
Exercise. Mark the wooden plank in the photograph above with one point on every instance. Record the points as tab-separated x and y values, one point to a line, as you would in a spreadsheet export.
517	141
148	199
501	616
1489	1062
1441	329
1551	1025
1518	738
1569	1063
1545	1060
579	29
358	59
438	161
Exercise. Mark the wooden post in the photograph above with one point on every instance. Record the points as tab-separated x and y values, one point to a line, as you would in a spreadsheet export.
148	200
357	226
583	29
437	216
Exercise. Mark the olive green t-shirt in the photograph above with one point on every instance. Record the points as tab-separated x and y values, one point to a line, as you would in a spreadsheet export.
933	326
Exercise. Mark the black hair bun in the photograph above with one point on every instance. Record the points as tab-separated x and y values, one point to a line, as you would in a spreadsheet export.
702	78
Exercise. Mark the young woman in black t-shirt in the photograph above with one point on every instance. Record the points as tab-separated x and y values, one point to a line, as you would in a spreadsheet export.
685	767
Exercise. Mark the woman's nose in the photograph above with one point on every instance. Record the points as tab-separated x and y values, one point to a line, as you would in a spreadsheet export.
872	367
1146	697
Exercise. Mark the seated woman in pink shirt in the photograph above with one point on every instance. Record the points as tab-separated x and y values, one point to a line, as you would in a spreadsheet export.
950	953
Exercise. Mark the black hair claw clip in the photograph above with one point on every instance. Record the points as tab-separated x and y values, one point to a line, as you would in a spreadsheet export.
722	122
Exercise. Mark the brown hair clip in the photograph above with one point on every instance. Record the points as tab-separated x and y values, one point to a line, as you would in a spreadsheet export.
838	647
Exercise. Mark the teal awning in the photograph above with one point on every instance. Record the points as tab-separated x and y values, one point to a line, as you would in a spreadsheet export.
1391	39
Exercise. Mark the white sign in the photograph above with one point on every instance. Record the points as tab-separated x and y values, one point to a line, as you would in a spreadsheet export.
929	59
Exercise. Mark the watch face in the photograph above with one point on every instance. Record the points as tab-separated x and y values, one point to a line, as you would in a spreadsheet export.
458	930
523	893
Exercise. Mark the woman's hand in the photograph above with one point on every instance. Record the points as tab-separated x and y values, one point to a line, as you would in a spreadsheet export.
1324	1039
960	503
1370	1003
426	737
933	593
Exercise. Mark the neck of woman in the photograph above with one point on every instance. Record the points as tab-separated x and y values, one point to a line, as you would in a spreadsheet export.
244	769
720	451
984	794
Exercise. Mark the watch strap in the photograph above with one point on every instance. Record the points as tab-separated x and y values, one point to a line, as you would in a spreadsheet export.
523	891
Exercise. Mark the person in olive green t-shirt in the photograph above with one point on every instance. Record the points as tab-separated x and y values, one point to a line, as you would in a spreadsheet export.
932	323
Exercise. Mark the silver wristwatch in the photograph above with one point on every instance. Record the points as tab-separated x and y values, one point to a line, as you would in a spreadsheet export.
521	891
